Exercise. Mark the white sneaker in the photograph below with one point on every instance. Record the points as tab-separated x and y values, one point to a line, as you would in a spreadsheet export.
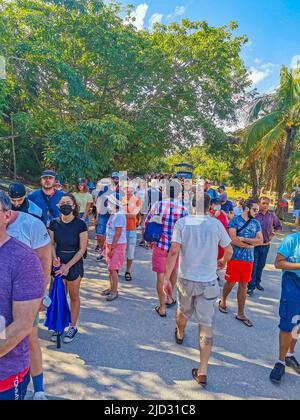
40	396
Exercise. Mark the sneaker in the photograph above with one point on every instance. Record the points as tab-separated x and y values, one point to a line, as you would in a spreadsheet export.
142	243
97	249
250	293
100	258
71	334
112	296
260	288
292	363
54	338
40	396
277	373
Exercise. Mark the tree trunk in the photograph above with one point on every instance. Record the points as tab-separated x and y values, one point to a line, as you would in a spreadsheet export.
254	181
285	161
13	150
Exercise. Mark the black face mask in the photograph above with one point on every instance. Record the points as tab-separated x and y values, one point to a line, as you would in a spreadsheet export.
66	210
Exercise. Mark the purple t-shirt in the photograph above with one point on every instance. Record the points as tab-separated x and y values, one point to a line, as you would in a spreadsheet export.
21	280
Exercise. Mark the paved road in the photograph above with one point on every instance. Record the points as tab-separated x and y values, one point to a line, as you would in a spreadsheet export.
125	351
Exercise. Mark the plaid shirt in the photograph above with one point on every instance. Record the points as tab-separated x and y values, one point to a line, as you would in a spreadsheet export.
172	211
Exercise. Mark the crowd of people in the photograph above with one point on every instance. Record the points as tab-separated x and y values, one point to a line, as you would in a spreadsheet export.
203	245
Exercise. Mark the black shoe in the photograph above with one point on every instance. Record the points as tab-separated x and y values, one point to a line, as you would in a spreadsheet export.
250	292
97	249
292	363
260	288
277	373
100	258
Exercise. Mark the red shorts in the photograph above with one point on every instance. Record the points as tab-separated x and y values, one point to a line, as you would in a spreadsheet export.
239	271
159	261
116	262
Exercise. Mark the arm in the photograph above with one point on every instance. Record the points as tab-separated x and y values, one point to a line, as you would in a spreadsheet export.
45	256
228	253
257	241
281	263
53	245
172	259
237	241
89	206
83	247
24	314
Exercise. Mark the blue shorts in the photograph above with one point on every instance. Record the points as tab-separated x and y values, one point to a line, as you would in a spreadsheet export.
290	302
102	224
297	214
17	393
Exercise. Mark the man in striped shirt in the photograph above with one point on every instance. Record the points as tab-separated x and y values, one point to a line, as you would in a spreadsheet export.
171	210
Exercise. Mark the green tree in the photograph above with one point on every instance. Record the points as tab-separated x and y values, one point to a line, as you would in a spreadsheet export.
274	135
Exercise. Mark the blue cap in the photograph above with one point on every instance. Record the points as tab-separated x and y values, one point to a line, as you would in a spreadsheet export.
48	174
222	187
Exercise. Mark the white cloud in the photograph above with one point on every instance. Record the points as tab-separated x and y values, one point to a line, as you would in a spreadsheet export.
155	18
179	11
139	15
295	64
260	73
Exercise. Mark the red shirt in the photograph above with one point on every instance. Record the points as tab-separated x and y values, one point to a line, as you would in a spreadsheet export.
223	219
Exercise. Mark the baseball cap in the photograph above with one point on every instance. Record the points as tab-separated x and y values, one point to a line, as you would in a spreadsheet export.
216	201
48	173
222	187
223	197
17	190
115	175
81	181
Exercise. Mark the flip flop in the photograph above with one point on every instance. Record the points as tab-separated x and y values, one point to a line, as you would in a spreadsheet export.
128	277
178	340
200	379
169	305
157	309
223	310
246	322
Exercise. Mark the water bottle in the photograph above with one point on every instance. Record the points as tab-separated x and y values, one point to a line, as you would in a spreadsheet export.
47	302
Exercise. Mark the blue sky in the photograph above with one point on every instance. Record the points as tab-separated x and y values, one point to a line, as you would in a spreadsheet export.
272	26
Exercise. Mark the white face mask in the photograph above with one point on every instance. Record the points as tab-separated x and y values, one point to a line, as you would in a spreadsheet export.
218	208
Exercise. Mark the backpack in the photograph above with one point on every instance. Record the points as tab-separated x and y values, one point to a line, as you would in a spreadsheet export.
154	229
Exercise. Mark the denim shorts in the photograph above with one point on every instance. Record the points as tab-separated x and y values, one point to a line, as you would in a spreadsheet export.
297	214
102	224
131	244
290	302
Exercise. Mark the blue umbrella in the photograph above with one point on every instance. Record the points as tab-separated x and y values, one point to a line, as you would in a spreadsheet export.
58	314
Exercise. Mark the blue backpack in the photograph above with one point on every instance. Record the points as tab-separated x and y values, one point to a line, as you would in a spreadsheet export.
154	229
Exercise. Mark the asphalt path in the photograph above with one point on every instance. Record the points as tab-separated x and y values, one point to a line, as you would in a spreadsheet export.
125	351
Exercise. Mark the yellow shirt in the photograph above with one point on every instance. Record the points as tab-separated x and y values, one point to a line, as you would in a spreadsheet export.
83	199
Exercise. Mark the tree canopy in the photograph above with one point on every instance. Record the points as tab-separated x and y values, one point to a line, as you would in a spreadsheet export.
85	92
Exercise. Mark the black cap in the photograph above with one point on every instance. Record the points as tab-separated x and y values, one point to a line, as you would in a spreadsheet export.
81	181
16	190
48	173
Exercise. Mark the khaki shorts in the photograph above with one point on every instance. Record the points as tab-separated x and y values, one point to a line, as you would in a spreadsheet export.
199	299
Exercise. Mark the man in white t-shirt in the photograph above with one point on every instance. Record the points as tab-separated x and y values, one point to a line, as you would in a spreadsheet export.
32	232
196	239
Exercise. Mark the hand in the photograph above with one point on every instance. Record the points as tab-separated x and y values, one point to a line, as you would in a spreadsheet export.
111	252
168	289
221	264
63	271
56	263
217	213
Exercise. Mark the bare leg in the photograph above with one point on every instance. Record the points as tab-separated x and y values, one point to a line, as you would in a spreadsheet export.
129	266
285	344
114	281
36	357
206	343
161	293
74	291
226	292
181	322
242	297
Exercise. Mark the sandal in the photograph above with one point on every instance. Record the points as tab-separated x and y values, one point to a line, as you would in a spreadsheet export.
178	340
246	322
128	277
157	309
223	310
169	305
200	379
106	292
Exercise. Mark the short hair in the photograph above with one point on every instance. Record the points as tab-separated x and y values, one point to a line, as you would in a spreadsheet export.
265	199
205	199
5	202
